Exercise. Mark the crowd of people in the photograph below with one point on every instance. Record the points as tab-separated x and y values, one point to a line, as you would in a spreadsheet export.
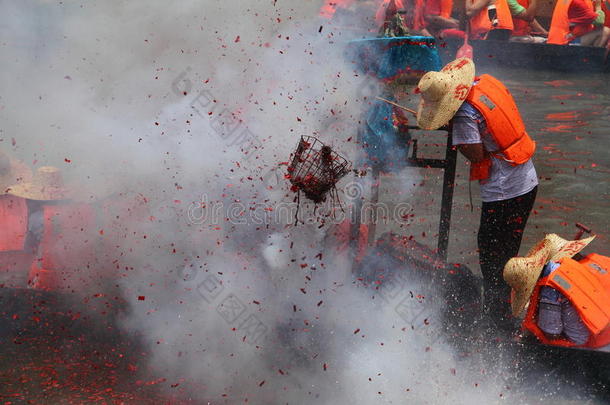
573	22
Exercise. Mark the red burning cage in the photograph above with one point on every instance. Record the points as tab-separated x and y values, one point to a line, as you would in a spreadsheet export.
315	168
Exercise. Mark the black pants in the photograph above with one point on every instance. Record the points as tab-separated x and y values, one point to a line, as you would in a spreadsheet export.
500	233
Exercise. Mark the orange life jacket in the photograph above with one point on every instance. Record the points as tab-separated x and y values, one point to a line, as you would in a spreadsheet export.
414	17
587	285
522	27
415	14
561	33
439	7
329	8
13	222
493	100
481	25
66	249
382	10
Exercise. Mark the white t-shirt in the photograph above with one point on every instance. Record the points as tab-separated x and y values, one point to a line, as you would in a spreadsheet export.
505	180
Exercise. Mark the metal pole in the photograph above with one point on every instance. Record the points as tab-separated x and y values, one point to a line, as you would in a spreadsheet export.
447	198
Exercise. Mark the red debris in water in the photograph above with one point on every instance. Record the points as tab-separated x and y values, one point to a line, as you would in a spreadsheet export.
559	83
562	116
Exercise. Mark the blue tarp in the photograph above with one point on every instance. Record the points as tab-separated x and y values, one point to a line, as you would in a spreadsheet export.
385	147
385	58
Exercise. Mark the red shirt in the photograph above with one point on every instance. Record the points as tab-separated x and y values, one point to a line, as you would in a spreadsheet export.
580	13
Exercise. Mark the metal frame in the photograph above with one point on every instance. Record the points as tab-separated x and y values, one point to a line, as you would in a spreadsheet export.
448	164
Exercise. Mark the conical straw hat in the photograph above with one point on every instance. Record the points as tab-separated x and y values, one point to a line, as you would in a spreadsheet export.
46	185
443	93
522	273
12	172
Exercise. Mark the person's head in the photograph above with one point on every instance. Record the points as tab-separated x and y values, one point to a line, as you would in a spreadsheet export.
46	185
522	273
442	93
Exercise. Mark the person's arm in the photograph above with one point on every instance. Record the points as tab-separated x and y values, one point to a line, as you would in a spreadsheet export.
425	32
518	11
473	7
573	327
466	134
474	152
442	22
538	29
601	16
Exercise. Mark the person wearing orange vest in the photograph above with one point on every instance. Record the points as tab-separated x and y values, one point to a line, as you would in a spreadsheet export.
488	130
411	13
59	232
569	300
437	14
13	223
489	19
581	20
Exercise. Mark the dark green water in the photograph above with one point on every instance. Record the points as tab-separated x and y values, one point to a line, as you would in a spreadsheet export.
568	115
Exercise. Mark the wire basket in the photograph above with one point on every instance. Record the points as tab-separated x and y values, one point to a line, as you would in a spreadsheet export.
315	169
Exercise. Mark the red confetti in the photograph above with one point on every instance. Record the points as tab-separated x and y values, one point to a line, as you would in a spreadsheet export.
559	83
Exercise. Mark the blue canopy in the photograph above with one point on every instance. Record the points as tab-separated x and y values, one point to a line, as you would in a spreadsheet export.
387	58
383	143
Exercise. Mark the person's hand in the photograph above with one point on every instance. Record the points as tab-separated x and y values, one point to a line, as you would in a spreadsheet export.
454	23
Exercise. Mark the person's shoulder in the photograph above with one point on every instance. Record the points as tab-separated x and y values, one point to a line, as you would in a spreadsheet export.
467	110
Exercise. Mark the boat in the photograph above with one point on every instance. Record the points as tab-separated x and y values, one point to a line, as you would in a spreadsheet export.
382	57
563	58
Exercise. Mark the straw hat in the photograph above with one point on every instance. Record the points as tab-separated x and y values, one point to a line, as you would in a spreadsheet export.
443	93
522	273
46	185
11	172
